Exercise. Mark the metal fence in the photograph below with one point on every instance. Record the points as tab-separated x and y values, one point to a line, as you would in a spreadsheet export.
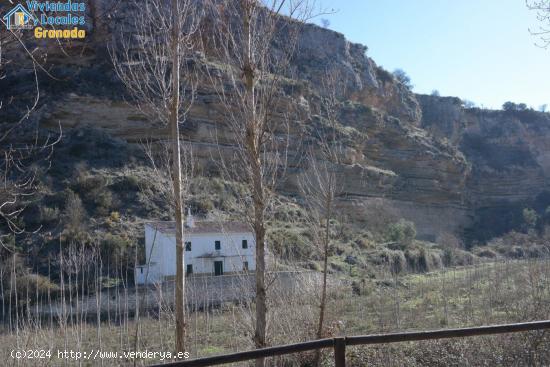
339	344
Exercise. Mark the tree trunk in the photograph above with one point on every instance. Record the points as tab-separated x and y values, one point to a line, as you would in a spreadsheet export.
176	182
322	305
261	296
253	149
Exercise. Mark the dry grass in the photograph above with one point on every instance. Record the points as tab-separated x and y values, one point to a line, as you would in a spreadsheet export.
489	293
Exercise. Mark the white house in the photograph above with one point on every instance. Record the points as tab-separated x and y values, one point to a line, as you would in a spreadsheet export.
212	248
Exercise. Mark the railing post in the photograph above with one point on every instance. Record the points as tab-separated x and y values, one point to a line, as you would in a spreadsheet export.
340	352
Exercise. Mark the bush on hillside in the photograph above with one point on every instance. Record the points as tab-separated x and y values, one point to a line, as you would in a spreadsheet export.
530	217
403	232
35	284
48	214
292	244
127	183
74	213
422	260
115	248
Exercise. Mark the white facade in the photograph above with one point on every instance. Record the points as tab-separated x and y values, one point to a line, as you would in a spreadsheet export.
212	248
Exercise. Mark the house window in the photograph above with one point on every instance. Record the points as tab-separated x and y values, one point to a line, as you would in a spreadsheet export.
245	244
217	245
189	269
245	266
141	270
188	246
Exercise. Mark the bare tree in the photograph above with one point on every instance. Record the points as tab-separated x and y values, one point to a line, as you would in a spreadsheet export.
160	157
321	184
256	41
542	8
154	63
21	155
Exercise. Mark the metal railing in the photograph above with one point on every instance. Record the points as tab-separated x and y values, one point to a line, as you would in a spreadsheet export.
339	344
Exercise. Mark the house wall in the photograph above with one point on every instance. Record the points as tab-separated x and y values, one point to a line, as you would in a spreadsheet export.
155	241
161	254
147	275
203	253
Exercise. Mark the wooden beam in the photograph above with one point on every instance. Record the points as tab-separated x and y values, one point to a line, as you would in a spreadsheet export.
339	344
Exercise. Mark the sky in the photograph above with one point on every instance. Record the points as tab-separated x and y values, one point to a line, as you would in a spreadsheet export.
479	50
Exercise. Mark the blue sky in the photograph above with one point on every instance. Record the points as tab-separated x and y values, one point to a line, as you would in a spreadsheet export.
479	50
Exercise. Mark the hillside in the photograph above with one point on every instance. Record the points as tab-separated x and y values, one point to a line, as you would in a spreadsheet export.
451	170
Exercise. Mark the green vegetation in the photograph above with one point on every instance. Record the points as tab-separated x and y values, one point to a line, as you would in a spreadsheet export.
402	77
530	217
403	232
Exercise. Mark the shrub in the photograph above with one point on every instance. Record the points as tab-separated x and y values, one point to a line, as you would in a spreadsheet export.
398	263
516	252
201	205
423	260
225	202
434	260
76	235
211	169
313	265
536	251
384	75
356	288
103	200
394	259
48	214
291	244
509	106
403	232
447	256
85	184
74	213
377	215
487	253
448	240
402	77
217	185
457	257
530	217
115	217
363	243
35	284
95	191
463	258
127	183
115	248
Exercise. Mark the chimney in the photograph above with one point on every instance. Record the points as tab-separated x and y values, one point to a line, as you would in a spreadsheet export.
189	222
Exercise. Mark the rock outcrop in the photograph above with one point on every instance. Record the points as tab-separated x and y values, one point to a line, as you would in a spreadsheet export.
431	158
508	151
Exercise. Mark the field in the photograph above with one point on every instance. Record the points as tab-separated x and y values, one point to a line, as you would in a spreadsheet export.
508	291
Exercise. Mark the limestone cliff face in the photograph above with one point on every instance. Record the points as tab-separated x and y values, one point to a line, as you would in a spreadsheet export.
433	161
509	152
320	49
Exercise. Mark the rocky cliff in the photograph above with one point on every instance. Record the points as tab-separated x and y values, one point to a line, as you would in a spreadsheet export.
508	152
429	158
